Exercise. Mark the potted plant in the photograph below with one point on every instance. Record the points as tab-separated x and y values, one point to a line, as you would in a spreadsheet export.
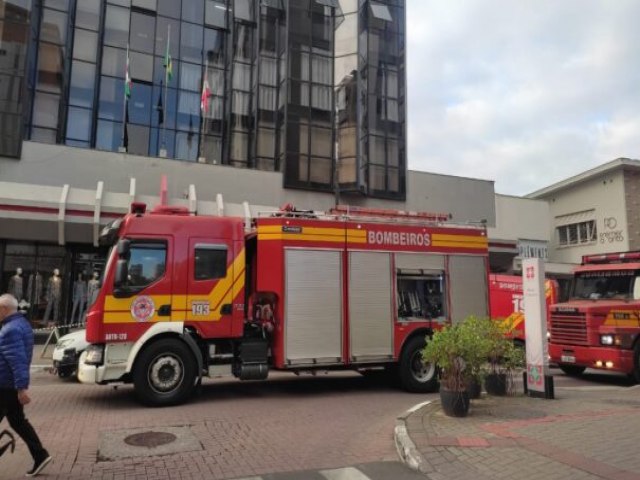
504	357
477	348
446	349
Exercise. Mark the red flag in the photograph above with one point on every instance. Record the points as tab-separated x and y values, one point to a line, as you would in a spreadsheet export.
204	98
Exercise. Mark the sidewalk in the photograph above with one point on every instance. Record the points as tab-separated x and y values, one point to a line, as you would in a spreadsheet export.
585	433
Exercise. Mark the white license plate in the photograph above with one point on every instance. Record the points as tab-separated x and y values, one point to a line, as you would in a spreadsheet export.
568	358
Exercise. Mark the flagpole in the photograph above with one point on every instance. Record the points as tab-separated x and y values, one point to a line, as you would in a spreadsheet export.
203	112
122	148
163	150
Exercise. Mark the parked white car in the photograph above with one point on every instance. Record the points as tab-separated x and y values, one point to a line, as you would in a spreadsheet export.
67	353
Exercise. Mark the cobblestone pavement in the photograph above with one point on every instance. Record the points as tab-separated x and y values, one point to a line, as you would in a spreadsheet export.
240	429
369	471
585	433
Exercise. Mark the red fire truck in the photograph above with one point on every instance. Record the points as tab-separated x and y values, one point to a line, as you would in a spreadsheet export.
506	304
292	290
599	326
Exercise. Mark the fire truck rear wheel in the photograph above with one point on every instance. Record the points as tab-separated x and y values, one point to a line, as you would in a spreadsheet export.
415	375
572	370
164	374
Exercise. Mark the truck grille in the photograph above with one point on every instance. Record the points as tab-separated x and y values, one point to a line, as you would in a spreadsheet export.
569	329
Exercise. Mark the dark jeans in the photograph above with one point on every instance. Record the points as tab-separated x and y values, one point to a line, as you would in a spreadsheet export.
11	408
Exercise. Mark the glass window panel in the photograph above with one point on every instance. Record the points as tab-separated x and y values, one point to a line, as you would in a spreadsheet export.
191	42
393	155
381	12
272	4
124	3
346	38
321	30
241	104
210	263
239	146
58	4
163	25
376	178
146	4
141	66
193	11
243	42
188	111
54	27
45	110
303	169
146	264
215	14
165	102
116	26
187	145
241	76
82	84
320	170
266	142
79	124
190	77
138	139
347	146
140	104
76	143
321	141
111	98
43	135
109	135
85	45
159	73
321	98
268	34
243	9
50	68
267	99
377	149
268	71
347	170
321	69
113	61
211	149
216	81
160	138
214	46
88	14
142	32
170	8
562	235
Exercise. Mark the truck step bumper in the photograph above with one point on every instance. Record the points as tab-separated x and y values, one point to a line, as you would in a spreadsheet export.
602	358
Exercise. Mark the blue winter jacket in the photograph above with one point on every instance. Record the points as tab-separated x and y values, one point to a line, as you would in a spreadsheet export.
16	351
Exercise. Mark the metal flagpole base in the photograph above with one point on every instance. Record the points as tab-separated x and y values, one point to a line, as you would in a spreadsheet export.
202	160
122	149
162	153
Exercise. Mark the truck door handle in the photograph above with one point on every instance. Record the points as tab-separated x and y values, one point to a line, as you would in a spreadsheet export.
164	311
226	309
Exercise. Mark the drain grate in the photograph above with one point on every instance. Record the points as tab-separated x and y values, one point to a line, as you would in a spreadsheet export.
150	439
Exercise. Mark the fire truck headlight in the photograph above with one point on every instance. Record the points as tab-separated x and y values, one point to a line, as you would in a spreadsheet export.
94	355
606	339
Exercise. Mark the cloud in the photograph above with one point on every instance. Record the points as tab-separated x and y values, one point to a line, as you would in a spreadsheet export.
524	93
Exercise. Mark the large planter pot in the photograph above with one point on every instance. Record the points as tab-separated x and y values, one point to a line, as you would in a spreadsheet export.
496	384
474	388
454	404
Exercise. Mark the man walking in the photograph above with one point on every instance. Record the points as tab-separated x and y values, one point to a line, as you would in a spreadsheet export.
16	351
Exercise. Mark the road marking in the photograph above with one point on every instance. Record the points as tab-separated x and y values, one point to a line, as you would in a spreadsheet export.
418	406
348	473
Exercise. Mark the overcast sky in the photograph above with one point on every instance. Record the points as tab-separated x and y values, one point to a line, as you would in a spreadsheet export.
522	92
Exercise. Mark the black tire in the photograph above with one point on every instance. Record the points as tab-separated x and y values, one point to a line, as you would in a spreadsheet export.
164	373
635	376
66	372
572	370
415	375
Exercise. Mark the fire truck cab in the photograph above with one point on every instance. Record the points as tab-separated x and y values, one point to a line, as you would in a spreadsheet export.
599	326
292	290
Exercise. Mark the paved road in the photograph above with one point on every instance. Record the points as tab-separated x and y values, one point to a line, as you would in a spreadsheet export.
232	429
368	471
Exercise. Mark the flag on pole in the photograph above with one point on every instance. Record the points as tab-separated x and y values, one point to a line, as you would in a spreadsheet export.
127	78
204	98
160	107
125	139
168	64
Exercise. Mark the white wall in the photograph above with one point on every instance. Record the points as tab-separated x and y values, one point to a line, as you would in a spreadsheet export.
520	218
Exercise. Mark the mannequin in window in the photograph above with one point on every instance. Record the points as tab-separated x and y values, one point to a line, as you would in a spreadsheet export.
54	292
34	289
92	289
79	299
15	285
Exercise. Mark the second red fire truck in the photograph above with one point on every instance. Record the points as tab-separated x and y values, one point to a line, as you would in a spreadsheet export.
291	290
599	326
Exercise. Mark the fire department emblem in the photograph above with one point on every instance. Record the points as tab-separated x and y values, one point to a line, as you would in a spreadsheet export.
143	308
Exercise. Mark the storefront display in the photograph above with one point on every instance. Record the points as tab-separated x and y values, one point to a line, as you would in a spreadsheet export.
79	299
54	295
15	285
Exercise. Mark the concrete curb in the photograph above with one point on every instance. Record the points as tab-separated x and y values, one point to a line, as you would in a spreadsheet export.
407	450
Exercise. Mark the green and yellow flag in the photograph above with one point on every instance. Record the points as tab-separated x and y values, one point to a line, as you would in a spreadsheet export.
168	64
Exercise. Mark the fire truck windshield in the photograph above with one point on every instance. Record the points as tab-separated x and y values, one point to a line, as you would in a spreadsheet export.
616	284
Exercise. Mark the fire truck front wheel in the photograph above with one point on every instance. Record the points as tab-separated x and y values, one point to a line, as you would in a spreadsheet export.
636	363
415	374
164	374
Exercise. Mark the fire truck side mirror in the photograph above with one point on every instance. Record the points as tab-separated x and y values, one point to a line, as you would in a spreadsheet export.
122	270
124	246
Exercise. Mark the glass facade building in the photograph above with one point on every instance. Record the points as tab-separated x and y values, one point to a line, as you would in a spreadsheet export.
314	89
